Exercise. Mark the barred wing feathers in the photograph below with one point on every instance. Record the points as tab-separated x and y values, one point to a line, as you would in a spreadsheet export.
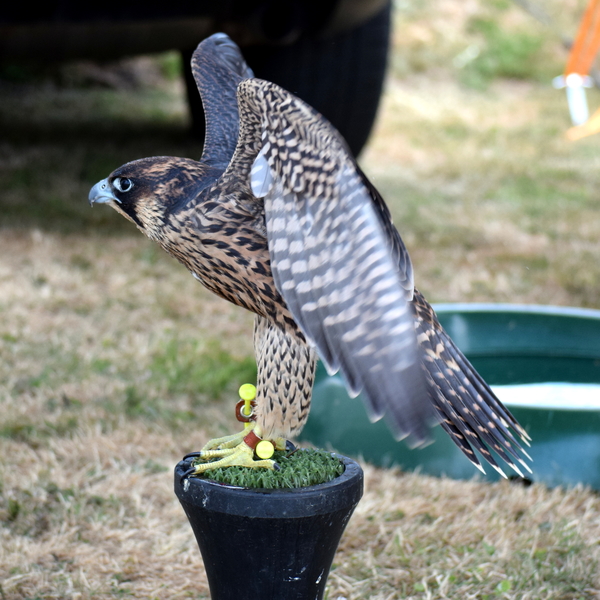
331	260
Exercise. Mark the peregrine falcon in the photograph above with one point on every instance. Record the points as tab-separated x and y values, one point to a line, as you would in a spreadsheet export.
278	218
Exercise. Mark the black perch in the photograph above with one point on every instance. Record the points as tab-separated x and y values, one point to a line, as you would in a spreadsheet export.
268	544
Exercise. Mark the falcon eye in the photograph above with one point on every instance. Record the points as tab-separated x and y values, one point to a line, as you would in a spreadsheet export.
123	184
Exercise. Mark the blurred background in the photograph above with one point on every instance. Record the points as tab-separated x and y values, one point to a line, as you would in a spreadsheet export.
114	362
468	150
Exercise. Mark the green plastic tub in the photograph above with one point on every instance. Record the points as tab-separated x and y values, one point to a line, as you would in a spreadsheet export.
543	362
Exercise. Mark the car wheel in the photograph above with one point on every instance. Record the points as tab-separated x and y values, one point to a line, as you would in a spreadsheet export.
341	76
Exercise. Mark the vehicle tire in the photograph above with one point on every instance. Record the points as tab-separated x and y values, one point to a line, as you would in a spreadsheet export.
341	76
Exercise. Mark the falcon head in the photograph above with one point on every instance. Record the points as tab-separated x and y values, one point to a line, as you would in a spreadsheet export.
149	190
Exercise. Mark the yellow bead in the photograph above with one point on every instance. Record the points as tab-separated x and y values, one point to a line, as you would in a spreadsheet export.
247	391
264	449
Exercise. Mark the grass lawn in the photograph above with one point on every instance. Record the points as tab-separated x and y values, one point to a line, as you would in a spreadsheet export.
114	362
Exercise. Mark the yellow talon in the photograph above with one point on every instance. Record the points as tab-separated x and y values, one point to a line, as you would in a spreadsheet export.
227	441
240	449
236	450
281	444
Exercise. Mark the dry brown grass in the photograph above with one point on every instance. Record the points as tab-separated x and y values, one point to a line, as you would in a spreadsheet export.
102	338
87	504
514	208
421	537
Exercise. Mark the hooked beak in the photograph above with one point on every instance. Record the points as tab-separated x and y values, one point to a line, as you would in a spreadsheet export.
101	194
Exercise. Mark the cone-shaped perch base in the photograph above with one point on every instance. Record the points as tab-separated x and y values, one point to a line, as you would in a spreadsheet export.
269	544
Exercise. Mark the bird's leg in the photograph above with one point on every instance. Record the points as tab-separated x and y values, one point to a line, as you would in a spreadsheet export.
239	449
227	441
233	440
235	450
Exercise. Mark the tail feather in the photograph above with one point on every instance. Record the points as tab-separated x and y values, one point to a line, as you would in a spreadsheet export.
470	412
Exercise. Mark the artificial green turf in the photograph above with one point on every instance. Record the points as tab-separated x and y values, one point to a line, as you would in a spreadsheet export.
301	468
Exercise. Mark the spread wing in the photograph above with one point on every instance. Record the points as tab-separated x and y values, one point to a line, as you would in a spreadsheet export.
218	67
340	264
332	259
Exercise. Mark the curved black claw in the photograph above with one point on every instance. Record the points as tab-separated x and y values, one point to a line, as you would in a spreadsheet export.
192	455
187	474
291	448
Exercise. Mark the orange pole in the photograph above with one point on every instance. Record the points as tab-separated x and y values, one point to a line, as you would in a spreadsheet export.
587	42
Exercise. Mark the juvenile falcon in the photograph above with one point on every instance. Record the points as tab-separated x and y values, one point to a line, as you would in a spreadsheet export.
277	217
